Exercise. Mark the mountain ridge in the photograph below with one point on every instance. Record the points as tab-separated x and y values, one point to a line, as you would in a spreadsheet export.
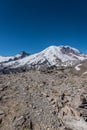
51	56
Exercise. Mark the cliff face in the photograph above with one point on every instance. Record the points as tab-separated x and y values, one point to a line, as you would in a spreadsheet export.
50	100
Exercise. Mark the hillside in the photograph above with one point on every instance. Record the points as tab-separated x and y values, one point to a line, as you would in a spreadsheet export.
49	100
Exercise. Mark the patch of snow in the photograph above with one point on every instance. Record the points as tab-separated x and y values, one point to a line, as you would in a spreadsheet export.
77	67
3	58
85	72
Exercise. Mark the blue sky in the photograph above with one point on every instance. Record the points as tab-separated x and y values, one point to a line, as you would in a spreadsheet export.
32	25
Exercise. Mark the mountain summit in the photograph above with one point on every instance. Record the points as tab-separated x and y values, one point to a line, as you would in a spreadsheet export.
51	56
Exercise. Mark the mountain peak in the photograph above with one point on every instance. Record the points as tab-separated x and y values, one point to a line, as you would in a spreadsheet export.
53	55
69	49
63	49
23	54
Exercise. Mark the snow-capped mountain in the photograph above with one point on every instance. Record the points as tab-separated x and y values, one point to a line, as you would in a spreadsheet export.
51	56
4	59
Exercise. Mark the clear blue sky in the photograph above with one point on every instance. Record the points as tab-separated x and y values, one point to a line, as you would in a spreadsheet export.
32	25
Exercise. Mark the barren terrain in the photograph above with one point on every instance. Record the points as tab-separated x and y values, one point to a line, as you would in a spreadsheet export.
50	100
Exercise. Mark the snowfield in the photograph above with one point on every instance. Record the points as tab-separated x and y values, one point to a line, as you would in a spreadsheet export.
53	55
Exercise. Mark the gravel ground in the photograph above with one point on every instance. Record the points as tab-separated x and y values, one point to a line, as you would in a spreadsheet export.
35	100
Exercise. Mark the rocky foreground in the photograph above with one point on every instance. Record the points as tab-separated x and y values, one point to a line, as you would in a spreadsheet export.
50	100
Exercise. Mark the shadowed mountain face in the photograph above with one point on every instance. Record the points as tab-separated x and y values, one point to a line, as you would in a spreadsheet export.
23	54
51	56
68	50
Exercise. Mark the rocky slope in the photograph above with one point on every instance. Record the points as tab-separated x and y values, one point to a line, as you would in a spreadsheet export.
43	100
51	56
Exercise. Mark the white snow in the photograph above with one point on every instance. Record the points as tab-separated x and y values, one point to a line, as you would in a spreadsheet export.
85	72
7	58
78	67
51	54
2	58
